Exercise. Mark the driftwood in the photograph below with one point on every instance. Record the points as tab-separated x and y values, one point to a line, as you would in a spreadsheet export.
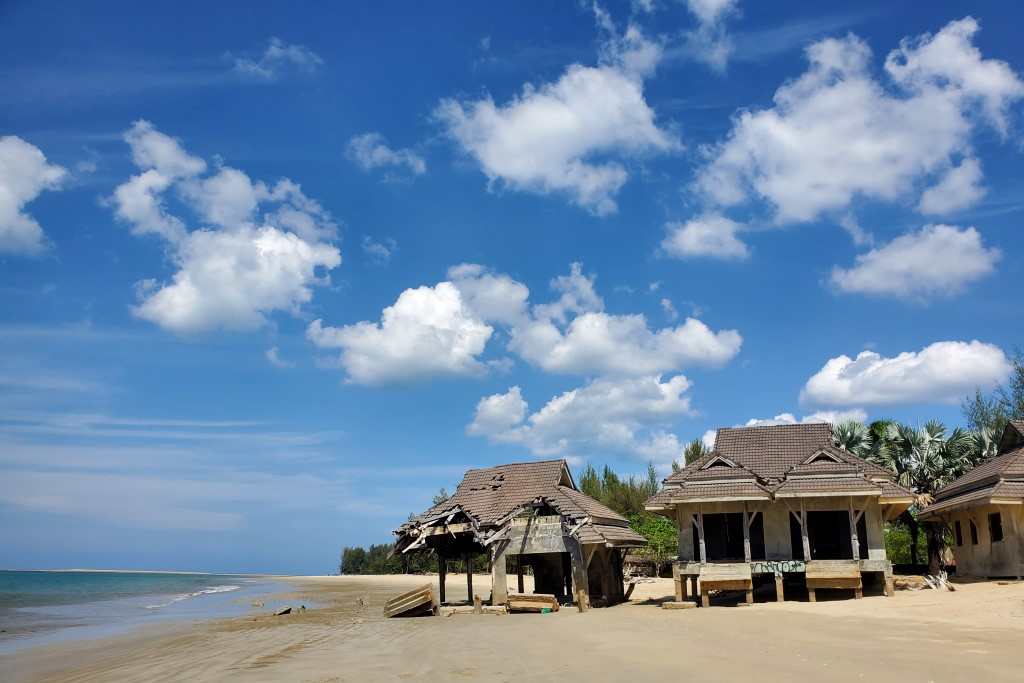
939	582
532	602
416	602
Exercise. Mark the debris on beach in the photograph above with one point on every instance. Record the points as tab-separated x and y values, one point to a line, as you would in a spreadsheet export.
283	611
416	602
532	602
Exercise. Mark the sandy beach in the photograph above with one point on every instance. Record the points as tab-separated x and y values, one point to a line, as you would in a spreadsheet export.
974	633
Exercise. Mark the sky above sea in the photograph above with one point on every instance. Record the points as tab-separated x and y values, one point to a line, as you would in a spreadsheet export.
271	276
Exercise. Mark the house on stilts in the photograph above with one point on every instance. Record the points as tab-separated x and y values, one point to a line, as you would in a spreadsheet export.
780	503
984	510
532	514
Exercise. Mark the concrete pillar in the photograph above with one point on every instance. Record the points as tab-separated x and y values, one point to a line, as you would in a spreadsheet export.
700	535
684	520
499	584
875	526
746	533
580	582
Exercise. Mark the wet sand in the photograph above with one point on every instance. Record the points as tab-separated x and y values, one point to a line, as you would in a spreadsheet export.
973	634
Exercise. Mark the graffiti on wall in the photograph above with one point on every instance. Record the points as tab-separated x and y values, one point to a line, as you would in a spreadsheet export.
777	567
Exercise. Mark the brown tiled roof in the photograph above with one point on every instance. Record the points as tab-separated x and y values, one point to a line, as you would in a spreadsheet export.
780	459
696	492
998	477
1013	436
827	486
1009	465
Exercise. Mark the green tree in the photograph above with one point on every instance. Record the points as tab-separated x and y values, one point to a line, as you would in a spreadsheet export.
989	413
441	496
695	450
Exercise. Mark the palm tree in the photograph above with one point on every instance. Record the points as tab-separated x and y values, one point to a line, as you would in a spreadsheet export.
851	436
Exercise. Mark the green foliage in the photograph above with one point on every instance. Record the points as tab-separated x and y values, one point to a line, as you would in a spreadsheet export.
661	534
377	559
695	450
627	497
441	496
898	544
988	414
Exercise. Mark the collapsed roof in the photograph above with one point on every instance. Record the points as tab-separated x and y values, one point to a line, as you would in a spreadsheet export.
488	498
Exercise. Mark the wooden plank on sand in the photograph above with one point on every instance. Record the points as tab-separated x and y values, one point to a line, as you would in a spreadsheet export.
532	602
417	601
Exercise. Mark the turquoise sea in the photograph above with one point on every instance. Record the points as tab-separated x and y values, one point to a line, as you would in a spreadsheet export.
38	607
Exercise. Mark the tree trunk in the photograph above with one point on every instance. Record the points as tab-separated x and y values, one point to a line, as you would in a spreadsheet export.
915	532
934	535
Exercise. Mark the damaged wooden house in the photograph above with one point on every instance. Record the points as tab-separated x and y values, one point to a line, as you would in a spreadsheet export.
780	504
530	514
984	510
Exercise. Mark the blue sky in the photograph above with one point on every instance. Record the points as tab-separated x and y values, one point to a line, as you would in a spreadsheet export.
271	278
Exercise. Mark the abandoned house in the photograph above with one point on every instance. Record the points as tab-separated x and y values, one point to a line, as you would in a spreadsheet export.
782	503
532	514
984	510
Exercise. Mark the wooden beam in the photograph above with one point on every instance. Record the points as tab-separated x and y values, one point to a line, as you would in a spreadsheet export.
441	571
780	593
746	533
854	541
499	583
803	532
700	532
468	561
519	573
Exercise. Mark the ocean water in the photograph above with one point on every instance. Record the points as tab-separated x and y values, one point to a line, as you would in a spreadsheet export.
38	607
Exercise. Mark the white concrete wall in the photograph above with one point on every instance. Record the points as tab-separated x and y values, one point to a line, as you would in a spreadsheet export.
988	558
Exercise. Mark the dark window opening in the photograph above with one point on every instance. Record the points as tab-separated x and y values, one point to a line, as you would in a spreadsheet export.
862	537
974	534
723	538
829	534
959	533
995	527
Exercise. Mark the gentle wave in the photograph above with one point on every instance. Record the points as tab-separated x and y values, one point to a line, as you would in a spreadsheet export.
196	594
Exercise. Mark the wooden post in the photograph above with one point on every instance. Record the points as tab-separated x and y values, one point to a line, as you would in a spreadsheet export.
700	532
705	599
811	596
579	573
803	532
519	573
441	570
746	534
468	561
854	541
499	584
780	593
678	580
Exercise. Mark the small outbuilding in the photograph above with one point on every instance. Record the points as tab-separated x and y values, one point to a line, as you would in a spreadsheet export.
533	514
780	502
984	510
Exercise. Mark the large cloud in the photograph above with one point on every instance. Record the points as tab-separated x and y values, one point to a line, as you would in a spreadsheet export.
262	249
444	330
936	260
607	415
24	174
835	133
566	136
428	332
943	372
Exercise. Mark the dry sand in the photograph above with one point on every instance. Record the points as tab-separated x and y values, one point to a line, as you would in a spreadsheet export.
976	633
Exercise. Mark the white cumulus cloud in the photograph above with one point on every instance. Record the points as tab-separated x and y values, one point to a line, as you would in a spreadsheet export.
943	372
427	332
836	133
938	260
24	175
629	416
568	136
829	416
261	249
710	43
711	235
959	188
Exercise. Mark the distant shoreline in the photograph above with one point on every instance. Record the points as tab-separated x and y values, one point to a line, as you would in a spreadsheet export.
146	571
